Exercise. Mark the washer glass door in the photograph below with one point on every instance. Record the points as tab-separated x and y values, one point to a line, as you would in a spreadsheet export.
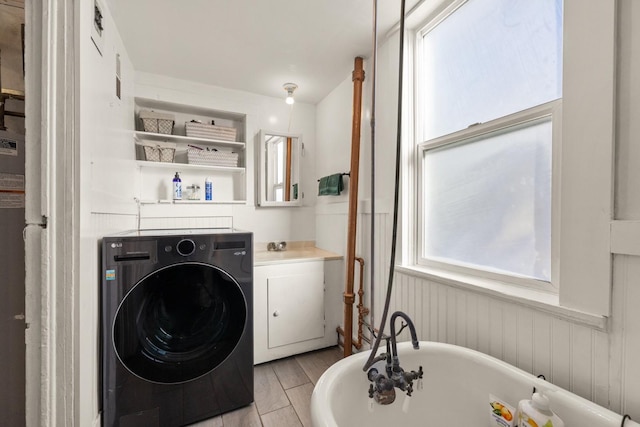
179	322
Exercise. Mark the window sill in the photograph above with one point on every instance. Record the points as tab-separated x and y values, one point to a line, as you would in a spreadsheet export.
541	301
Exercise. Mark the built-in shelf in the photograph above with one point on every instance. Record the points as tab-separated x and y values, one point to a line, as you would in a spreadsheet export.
140	135
229	183
179	108
186	166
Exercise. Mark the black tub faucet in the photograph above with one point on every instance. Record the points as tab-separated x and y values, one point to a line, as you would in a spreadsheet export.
383	385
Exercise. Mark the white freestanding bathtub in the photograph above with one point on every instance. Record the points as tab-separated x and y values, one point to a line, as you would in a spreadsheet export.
457	384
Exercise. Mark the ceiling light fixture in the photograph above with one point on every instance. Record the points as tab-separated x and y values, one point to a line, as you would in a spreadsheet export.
290	87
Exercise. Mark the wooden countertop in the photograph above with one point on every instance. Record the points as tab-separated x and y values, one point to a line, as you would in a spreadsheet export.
295	252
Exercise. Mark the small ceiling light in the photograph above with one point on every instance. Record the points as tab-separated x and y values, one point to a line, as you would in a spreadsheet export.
290	87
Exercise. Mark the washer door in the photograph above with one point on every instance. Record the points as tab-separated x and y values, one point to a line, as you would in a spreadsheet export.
179	323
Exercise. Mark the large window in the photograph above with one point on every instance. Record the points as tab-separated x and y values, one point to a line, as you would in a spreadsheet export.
489	81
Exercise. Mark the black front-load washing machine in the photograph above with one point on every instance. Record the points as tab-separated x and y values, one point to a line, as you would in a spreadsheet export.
176	326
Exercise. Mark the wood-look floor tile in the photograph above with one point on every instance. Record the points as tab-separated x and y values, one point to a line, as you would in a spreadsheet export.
300	398
331	355
268	393
313	365
282	392
285	417
211	422
290	373
243	417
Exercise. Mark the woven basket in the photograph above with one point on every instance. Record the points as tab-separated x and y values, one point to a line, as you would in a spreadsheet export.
159	152
202	130
155	122
212	158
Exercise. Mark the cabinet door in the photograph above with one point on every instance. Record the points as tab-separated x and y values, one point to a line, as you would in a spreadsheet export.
295	307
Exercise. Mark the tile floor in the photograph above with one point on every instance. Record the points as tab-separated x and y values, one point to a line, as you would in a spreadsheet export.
282	392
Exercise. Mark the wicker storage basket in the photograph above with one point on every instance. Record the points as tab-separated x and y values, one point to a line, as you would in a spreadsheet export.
202	130
159	151
155	122
212	158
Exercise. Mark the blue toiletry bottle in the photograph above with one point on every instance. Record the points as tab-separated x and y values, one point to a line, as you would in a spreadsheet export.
208	189
177	187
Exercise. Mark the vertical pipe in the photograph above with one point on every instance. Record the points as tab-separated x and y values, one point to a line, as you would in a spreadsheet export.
372	262
348	296
396	195
362	310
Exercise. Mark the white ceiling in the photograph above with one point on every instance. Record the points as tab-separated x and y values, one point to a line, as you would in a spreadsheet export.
253	45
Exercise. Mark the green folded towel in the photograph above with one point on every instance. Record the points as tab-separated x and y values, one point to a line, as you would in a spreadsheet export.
330	185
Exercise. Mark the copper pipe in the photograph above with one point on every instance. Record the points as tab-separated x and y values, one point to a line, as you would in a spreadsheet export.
341	333
348	296
362	311
287	168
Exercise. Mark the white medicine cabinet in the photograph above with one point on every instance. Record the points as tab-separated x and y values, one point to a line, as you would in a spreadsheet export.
279	173
195	158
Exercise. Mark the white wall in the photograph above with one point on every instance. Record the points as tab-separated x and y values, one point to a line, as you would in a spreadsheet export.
625	328
104	142
600	365
110	180
333	123
267	224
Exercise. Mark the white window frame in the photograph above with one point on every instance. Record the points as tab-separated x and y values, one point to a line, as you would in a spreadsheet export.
584	215
551	110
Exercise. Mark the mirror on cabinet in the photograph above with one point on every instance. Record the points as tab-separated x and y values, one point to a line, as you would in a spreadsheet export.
279	173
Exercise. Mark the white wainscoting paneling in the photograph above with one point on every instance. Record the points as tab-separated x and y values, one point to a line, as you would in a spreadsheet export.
161	223
567	354
625	336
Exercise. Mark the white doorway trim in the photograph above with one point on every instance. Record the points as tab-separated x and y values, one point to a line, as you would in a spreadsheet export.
52	212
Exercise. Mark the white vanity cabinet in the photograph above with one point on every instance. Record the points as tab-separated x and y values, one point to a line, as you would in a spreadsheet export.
294	308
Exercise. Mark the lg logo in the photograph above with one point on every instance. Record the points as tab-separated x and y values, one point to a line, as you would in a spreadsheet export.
116	245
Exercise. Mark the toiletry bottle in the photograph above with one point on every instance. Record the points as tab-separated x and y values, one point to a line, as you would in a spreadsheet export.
208	189
177	187
536	413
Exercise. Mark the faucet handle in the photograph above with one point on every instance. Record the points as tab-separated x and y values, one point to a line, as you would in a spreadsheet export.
418	376
414	375
372	374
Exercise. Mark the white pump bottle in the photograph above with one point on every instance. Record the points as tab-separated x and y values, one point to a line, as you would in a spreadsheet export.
537	413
